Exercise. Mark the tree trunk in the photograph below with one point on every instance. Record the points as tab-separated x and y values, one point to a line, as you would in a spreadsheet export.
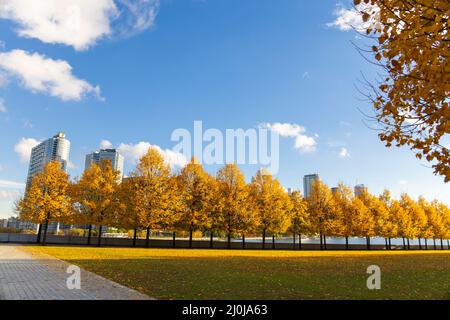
426	243
264	239
99	236
409	247
346	242
229	240
273	242
300	241
38	240
174	239
243	241
321	242
190	236
404	244
89	235
147	237
390	244
134	237
325	241
420	244
211	240
293	241
44	240
442	245
386	243
434	242
368	243
448	244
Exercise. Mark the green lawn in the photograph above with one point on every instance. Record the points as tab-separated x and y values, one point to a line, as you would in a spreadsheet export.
221	274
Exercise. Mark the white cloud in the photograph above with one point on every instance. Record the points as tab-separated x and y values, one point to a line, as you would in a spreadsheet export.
344	153
133	152
351	19
3	79
135	16
11	184
303	142
105	144
3	106
78	23
9	194
41	74
23	148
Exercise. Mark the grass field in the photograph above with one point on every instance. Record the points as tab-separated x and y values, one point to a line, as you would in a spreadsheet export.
221	274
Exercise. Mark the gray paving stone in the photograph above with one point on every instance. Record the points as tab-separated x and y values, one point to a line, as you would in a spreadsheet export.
25	276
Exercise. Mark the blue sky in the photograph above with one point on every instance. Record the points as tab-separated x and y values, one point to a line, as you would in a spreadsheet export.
146	69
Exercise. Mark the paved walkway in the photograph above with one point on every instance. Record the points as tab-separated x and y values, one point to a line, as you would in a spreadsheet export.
25	276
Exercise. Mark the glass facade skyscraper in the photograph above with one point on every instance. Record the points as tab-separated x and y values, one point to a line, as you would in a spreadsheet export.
109	154
56	148
307	183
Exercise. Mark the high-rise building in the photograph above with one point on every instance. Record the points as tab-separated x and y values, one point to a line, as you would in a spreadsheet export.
109	154
56	148
308	181
360	189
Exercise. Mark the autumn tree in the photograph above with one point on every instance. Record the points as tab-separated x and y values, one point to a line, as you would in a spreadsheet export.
197	198
155	197
95	196
46	199
411	45
299	216
215	223
272	205
402	220
390	228
439	222
417	216
363	217
236	215
127	207
343	201
323	214
377	221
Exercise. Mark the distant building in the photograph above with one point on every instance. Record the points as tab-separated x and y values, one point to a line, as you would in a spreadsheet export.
109	154
3	223
308	181
290	191
334	190
15	223
360	189
56	148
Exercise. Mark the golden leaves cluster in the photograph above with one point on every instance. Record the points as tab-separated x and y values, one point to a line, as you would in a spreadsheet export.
412	45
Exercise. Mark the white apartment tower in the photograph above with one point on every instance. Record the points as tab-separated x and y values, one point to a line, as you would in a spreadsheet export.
109	154
56	148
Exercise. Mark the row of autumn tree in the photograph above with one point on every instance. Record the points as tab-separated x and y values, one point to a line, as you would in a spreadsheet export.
154	198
